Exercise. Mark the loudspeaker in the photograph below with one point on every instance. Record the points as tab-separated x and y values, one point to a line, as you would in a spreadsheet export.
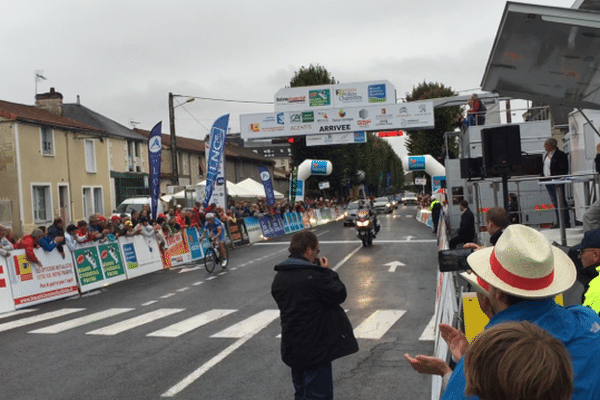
531	164
471	168
501	148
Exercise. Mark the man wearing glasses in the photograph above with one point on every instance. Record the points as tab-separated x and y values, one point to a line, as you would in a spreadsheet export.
314	328
589	276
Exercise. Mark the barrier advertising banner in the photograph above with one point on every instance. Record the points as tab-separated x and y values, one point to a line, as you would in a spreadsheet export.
142	255
32	284
98	265
176	251
253	229
193	241
271	226
238	232
6	298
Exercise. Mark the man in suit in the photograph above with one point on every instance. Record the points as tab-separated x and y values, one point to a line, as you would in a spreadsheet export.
556	163
466	230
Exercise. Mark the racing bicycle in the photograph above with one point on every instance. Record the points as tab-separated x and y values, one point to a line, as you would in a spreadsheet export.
213	256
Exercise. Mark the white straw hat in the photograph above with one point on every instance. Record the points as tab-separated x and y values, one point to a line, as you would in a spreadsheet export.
524	264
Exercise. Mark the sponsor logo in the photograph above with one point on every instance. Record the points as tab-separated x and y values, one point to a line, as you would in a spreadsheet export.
416	163
80	259
422	108
104	254
295	117
305	127
318	167
342	113
291	100
335	128
363	122
364	113
383	122
348	95
265	176
308	116
155	144
318	98
376	93
403	111
360	137
322	117
255	127
280	119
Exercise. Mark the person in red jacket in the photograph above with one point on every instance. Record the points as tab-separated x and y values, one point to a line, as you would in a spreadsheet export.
29	242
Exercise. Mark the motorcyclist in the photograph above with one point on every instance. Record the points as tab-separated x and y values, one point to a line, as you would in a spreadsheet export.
362	204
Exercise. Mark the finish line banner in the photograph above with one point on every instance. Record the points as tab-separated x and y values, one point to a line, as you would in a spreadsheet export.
336	138
338	120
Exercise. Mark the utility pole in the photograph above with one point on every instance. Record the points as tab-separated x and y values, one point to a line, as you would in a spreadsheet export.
174	171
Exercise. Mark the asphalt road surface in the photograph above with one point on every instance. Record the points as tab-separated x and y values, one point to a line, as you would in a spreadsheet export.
186	334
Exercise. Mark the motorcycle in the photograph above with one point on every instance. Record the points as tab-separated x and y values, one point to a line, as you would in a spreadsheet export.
365	227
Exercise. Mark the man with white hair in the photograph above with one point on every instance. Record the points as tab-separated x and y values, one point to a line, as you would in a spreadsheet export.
522	274
216	230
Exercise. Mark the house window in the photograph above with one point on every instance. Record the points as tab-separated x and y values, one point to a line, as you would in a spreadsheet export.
42	207
90	156
133	156
47	141
92	201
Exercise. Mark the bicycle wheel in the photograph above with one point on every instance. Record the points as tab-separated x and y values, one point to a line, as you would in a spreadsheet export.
210	259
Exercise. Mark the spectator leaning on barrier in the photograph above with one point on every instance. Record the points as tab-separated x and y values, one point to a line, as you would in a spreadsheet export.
49	244
523	273
589	276
5	245
71	237
30	242
518	360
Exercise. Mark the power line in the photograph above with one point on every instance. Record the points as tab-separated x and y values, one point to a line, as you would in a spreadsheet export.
227	100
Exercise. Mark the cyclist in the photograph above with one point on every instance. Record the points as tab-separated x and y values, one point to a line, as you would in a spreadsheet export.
216	230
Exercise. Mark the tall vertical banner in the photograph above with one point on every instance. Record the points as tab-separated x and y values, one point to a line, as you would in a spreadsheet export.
265	177
215	171
154	154
293	184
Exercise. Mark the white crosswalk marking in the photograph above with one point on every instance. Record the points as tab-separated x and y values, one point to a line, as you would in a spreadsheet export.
429	331
249	326
377	324
134	322
38	318
19	312
74	323
190	324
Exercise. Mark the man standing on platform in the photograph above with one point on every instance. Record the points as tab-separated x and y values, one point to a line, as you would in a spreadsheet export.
556	163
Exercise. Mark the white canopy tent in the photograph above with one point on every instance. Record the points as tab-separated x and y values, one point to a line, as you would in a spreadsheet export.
233	190
257	188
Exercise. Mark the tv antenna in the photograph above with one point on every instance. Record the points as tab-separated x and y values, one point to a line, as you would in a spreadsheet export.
39	75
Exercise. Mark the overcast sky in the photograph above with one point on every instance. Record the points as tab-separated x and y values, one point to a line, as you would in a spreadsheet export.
124	57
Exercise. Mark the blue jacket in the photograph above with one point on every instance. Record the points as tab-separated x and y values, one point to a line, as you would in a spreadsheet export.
576	326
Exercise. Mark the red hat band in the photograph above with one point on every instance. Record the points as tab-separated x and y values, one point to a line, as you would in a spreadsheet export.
516	281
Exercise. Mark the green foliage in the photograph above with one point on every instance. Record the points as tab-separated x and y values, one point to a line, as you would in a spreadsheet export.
374	157
312	76
431	141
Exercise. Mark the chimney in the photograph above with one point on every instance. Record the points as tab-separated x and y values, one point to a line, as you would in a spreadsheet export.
51	102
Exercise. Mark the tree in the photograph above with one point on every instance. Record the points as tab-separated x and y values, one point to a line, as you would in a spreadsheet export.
312	76
431	141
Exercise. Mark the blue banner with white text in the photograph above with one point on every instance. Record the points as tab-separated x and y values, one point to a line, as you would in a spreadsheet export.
154	155
218	134
265	177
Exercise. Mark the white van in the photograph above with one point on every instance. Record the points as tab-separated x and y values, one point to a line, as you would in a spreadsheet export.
136	203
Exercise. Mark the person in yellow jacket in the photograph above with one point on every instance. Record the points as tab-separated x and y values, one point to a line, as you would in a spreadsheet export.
589	275
436	208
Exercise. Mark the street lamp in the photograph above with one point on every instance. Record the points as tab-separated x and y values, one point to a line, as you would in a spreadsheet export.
174	168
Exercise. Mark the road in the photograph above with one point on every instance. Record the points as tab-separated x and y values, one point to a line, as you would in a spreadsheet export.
186	334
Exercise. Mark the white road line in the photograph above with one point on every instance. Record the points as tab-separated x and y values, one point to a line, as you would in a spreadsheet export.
150	302
216	359
183	289
74	323
210	278
377	324
19	312
222	273
409	216
429	331
253	324
166	296
322	233
346	258
198	283
190	324
134	322
38	318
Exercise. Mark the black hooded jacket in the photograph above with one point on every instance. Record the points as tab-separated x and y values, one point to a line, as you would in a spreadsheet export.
314	328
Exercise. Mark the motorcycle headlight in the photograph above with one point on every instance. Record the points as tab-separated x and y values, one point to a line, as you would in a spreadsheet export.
362	223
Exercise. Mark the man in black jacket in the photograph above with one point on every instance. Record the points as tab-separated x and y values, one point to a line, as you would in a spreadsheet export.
466	230
314	328
556	163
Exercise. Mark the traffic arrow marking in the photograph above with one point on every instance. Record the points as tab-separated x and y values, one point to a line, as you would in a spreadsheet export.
394	264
